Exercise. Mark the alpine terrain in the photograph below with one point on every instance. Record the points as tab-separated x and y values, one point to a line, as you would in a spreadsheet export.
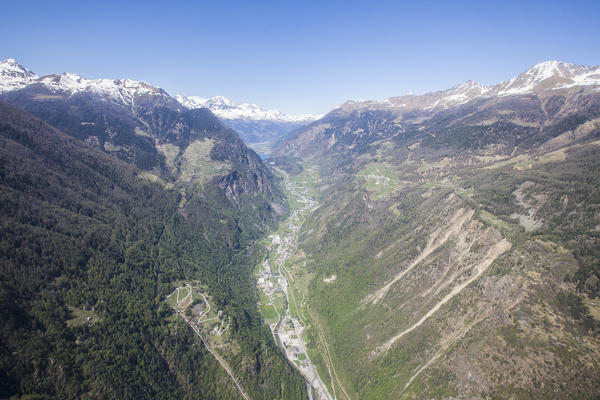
452	247
130	225
436	246
261	129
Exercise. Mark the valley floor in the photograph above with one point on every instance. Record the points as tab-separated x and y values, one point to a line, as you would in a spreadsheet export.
288	316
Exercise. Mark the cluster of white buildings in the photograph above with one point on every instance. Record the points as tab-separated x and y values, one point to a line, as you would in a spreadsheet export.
290	339
265	280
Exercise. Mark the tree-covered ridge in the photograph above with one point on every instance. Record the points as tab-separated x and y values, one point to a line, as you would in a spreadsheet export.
89	249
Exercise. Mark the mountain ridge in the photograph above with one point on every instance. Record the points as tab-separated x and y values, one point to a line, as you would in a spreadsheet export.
261	129
547	75
225	108
14	76
144	126
461	228
554	86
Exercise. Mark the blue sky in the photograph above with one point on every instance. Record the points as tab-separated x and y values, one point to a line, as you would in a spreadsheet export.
302	56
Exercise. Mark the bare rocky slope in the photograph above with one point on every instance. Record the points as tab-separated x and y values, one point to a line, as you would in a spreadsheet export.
463	231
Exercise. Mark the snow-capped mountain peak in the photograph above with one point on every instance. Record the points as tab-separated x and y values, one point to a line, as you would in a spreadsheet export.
14	76
549	68
460	94
469	88
549	75
456	95
227	109
123	90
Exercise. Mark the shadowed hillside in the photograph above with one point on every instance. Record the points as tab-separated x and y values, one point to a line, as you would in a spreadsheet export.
90	248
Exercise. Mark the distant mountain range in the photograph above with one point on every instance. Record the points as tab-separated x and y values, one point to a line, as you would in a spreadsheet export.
259	128
542	80
549	75
14	76
227	109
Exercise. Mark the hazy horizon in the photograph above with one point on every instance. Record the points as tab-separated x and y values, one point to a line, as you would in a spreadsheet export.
299	58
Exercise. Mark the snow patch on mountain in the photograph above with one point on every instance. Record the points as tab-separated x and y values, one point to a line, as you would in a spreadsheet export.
123	90
460	94
13	76
547	76
227	109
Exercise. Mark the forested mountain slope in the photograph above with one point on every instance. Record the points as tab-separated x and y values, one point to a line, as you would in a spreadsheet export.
455	249
91	246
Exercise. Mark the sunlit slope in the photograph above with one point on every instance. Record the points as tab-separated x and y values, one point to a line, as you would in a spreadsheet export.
438	289
463	243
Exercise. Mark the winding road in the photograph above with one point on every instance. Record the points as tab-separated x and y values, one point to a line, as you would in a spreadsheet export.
217	357
181	312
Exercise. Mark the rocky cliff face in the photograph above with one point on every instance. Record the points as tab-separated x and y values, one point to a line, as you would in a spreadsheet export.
144	126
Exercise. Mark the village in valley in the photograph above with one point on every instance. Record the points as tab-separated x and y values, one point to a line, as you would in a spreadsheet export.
282	311
278	304
286	330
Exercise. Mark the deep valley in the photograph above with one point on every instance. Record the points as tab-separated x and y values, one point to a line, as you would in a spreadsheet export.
440	246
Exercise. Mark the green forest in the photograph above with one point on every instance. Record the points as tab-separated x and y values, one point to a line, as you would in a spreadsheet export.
89	249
